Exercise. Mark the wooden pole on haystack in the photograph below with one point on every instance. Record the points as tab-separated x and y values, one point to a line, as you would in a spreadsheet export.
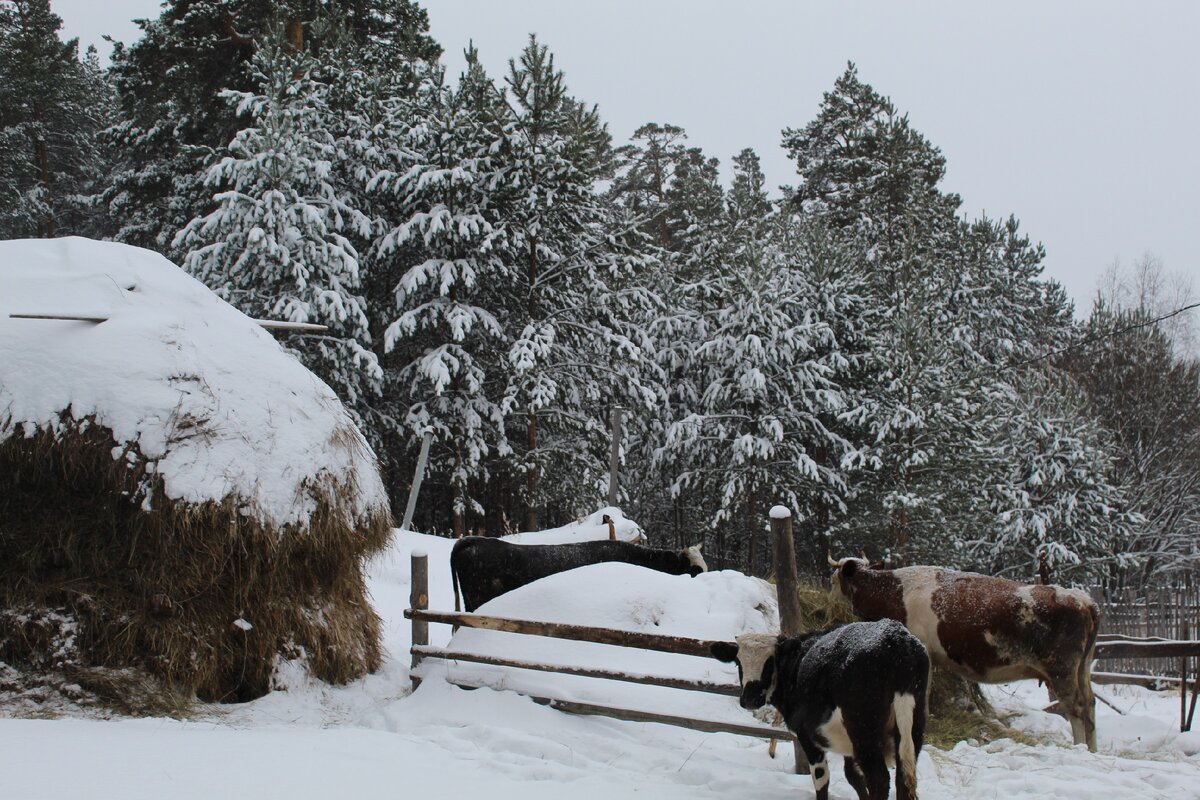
418	476
419	598
787	588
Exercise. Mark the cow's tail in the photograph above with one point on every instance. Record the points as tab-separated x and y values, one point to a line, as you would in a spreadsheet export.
454	581
904	706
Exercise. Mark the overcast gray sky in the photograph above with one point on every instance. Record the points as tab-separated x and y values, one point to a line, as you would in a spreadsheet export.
1080	118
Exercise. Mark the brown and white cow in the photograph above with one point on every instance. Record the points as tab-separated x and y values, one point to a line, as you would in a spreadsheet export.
988	630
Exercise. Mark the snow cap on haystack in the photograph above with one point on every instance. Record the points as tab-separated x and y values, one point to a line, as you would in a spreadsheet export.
178	494
214	405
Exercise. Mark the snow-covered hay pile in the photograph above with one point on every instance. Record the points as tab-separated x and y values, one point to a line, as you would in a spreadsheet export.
178	495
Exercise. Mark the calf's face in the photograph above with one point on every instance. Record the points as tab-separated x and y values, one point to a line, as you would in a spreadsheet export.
754	654
843	575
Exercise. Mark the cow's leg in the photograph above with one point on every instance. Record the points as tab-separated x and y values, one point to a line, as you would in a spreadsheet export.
875	771
858	781
818	766
1087	701
1078	705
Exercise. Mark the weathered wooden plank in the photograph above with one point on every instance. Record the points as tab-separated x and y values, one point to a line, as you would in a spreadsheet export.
1129	679
273	324
633	715
728	689
580	633
1133	649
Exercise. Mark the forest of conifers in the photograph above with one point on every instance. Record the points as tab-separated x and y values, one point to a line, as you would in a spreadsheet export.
495	268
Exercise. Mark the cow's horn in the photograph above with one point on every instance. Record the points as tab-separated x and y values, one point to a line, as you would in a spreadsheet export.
829	558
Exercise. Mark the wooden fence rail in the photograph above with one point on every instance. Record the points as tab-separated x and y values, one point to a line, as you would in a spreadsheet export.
579	633
1141	654
680	645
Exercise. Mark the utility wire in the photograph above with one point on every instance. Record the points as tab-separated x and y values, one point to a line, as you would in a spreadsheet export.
1097	337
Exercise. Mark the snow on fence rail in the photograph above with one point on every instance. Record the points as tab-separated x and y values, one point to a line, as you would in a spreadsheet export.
1162	613
421	616
1145	650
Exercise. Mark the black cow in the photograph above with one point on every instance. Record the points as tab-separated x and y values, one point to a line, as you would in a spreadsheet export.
857	689
486	568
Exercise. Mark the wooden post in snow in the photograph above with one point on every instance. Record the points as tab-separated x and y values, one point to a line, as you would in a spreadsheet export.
787	581
418	598
1183	683
787	588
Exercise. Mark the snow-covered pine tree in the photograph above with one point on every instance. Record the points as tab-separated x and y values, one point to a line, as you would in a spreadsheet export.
277	243
678	190
954	303
760	433
576	348
51	106
1054	492
444	179
169	82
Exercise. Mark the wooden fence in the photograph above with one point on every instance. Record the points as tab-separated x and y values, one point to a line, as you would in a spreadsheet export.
1170	613
1144	641
421	616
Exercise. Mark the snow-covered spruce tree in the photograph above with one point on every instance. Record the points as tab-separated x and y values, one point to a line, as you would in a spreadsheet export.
444	178
51	106
873	180
760	432
576	348
1057	500
677	188
1149	398
955	302
169	84
277	243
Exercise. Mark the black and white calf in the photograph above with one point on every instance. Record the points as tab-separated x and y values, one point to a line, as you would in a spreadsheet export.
858	690
486	568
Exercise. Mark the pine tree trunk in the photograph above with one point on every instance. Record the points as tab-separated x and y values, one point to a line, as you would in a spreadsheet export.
43	163
751	517
531	477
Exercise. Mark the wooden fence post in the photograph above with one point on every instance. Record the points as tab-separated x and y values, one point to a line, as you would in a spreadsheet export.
419	598
787	589
787	582
1183	683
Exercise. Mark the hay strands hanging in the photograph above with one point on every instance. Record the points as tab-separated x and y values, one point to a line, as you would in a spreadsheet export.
273	324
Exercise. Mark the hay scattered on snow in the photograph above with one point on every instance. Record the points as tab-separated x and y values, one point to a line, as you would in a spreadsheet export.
178	495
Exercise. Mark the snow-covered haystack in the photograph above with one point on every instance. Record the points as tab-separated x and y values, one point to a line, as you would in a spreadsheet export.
177	493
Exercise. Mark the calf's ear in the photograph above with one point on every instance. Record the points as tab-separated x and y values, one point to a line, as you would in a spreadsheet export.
724	651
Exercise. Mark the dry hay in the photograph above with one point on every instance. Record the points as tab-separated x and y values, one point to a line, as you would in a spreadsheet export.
958	711
104	580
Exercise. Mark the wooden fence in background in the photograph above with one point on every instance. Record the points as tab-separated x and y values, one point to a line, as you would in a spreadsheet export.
1170	613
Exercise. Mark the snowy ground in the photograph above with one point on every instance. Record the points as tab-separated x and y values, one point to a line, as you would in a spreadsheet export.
375	739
